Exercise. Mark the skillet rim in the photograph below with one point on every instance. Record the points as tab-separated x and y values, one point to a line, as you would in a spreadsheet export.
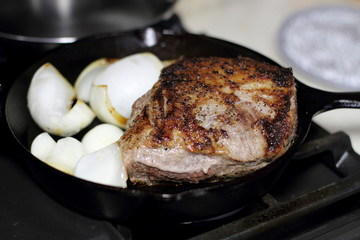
144	192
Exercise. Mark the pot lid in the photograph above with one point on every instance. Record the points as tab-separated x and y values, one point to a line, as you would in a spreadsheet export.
64	21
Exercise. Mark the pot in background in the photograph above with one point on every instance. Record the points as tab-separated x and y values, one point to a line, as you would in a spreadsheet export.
31	28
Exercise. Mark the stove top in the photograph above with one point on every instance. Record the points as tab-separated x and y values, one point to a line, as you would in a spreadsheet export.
317	197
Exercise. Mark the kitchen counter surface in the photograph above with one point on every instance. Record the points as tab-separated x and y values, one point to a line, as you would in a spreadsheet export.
256	24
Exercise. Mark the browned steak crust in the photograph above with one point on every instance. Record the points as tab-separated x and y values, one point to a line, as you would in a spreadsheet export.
210	118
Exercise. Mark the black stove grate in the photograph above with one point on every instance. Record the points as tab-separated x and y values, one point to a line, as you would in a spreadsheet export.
317	197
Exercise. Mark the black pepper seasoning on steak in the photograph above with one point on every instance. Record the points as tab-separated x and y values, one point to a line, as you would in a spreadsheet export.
210	119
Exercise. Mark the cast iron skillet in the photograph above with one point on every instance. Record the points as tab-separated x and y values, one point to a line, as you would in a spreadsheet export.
180	203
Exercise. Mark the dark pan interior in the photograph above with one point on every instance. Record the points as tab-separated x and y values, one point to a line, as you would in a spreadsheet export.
181	203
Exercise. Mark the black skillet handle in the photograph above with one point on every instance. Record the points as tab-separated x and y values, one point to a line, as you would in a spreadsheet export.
318	101
340	100
151	34
171	26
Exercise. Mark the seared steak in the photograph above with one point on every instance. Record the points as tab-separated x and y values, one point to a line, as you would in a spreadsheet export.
210	119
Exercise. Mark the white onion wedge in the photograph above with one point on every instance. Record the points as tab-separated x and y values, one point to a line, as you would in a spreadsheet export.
87	76
104	166
42	146
66	154
101	136
167	63
101	104
117	87
50	97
